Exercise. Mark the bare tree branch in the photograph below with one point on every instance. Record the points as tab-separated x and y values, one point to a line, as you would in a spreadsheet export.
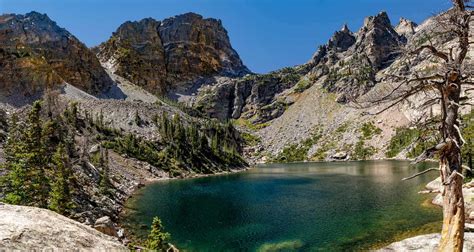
429	153
420	173
433	51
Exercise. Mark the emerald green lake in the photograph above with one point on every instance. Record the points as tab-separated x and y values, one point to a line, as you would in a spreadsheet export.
336	206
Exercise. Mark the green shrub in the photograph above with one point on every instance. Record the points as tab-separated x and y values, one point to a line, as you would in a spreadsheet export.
361	152
302	85
368	130
297	152
402	139
249	139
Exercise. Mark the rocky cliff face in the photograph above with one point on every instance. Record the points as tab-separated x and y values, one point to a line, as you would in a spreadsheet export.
36	53
171	54
350	61
348	64
258	98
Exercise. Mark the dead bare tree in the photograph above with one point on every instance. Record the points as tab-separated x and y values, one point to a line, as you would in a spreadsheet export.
448	87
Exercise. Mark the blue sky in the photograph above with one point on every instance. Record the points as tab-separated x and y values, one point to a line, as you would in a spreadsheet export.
268	34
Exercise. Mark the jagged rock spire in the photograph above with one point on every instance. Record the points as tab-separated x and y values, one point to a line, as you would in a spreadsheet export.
345	28
405	27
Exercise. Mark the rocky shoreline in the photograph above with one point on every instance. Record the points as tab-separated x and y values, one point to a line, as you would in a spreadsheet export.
426	243
429	242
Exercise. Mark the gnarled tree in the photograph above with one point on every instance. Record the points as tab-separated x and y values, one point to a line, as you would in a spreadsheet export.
448	87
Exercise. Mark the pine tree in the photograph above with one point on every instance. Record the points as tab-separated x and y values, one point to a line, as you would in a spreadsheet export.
138	119
158	239
215	144
14	182
60	194
35	157
104	181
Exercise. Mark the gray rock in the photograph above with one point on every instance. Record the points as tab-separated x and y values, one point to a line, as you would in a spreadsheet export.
426	243
339	156
94	149
438	200
405	27
435	184
33	229
106	226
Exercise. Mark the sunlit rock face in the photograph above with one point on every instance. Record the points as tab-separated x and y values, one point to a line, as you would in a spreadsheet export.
171	54
35	53
406	27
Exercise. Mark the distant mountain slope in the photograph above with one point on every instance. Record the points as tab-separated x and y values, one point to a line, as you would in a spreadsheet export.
171	54
35	53
314	113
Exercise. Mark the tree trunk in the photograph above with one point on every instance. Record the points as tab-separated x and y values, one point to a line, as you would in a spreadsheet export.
452	235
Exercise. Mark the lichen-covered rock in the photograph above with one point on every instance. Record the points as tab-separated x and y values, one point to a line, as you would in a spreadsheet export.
36	53
34	229
171	54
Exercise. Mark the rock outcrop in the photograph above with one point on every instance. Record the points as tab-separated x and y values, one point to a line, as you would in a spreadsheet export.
34	229
106	225
406	27
378	40
349	61
171	54
426	243
35	54
258	97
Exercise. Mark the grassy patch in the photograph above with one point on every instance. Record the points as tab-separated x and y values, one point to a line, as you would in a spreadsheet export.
302	85
246	123
250	139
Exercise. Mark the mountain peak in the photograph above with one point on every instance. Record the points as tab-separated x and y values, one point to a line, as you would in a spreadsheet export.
341	40
35	14
345	28
380	19
171	54
378	40
54	47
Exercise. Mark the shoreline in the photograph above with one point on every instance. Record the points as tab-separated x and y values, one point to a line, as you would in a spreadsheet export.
128	236
345	161
126	210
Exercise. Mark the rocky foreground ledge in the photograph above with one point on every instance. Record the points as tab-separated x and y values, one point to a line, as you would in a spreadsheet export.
34	229
426	243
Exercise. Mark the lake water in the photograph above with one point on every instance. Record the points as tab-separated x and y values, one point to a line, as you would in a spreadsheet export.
290	207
